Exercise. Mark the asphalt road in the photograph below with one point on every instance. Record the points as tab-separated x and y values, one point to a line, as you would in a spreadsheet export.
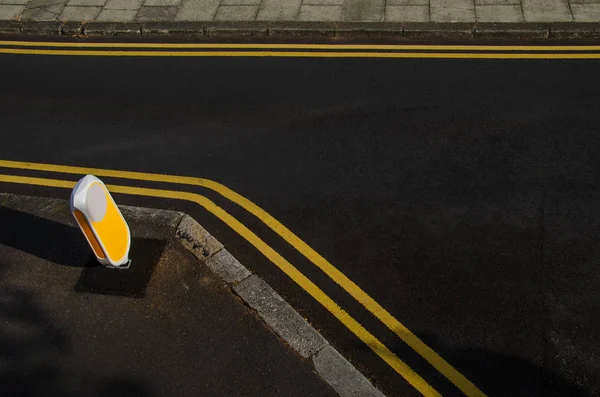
462	195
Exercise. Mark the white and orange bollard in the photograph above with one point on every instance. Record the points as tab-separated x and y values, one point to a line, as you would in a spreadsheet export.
101	222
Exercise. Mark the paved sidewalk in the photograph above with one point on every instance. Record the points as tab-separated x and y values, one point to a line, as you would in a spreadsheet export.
505	11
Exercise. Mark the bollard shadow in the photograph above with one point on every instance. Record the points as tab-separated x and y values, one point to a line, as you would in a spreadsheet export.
46	239
65	245
131	282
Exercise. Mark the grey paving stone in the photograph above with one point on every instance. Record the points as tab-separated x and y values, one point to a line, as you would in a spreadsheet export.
407	14
498	13
116	15
123	4
586	12
364	10
156	13
546	11
342	376
278	10
323	2
407	2
77	13
57	8
10	11
280	316
239	2
459	4
162	3
498	2
452	11
99	3
45	3
43	10
236	13
40	14
584	1
22	2
320	13
197	10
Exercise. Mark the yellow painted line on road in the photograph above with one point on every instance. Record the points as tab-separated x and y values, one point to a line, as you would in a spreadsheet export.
396	47
349	322
304	54
459	380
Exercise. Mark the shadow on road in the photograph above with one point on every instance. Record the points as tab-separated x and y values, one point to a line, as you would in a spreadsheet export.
37	357
53	241
496	374
65	245
33	351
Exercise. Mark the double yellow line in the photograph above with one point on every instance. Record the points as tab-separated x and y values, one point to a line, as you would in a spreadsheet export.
298	50
468	388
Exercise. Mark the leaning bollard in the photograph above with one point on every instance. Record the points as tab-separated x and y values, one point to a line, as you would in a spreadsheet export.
101	222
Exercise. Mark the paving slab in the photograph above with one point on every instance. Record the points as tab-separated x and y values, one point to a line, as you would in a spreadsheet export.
364	10
197	10
116	15
452	11
407	13
320	13
152	13
123	4
546	11
498	13
10	11
274	10
586	12
77	13
237	13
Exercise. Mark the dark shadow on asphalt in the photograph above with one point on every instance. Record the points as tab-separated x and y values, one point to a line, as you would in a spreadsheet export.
65	245
496	374
52	241
502	375
132	282
31	348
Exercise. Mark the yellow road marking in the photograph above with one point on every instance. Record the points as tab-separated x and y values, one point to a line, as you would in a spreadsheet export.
397	47
459	380
357	329
302	54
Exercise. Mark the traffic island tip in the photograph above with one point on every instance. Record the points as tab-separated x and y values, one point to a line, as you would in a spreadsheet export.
155	228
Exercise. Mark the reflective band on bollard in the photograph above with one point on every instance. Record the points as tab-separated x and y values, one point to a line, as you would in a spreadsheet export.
101	221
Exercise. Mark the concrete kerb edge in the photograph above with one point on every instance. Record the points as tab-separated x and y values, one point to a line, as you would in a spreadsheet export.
356	30
279	315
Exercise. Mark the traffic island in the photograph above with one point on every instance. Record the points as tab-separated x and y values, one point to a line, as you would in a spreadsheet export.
185	318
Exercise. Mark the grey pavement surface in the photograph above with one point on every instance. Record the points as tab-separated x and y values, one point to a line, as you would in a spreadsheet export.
484	11
164	327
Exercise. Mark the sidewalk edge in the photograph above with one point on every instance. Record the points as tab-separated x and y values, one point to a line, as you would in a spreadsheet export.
277	314
294	29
